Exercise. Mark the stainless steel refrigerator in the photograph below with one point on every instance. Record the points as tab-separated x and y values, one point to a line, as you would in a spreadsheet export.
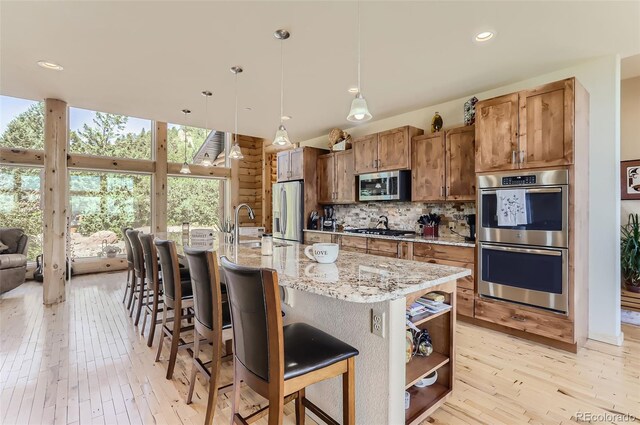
288	210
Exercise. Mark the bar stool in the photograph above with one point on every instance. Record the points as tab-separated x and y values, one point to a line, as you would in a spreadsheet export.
129	286
177	296
212	322
139	278
279	362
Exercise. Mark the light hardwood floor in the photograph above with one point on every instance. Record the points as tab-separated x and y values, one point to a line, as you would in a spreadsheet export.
83	362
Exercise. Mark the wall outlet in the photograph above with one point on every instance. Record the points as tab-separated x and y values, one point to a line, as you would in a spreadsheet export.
377	322
453	226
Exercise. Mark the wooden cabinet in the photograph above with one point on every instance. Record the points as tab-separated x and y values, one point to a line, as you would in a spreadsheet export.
316	237
383	247
291	165
353	243
442	166
428	167
530	129
546	125
497	133
365	154
460	164
336	180
385	151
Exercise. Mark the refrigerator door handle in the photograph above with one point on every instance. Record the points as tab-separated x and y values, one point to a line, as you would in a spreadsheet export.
283	211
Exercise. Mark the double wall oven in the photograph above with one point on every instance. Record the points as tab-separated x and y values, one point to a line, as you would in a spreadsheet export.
525	262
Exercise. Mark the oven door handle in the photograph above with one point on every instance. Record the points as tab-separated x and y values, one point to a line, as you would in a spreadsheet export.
549	252
532	190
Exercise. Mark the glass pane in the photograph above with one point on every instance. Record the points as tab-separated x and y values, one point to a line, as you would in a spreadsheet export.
544	212
201	145
101	205
523	270
20	204
104	134
21	123
197	201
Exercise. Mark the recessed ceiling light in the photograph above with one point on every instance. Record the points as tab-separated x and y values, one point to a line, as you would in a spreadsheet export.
50	65
353	90
248	109
484	36
286	117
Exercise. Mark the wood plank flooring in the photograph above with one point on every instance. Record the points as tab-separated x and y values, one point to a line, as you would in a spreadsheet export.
83	362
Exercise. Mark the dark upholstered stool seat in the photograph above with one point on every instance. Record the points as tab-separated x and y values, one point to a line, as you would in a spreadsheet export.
307	349
226	316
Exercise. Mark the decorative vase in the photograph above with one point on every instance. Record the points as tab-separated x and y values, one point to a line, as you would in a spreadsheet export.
436	123
470	111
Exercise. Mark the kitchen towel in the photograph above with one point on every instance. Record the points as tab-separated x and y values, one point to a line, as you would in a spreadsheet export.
512	207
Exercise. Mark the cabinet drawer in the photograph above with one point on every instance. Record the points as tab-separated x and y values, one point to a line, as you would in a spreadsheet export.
549	325
466	282
310	238
383	245
383	253
465	302
353	242
463	254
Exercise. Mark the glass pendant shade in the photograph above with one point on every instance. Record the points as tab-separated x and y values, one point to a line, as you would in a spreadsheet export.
359	111
282	137
206	160
185	169
235	152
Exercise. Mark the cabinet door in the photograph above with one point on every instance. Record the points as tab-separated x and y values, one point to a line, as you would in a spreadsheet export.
284	165
394	149
297	164
326	179
427	168
365	154
497	133
460	164
546	125
345	180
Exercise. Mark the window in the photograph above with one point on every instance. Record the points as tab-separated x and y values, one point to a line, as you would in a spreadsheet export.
21	123
104	134
20	189
101	205
199	142
197	201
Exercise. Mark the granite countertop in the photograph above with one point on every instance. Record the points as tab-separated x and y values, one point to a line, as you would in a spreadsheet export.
443	240
354	277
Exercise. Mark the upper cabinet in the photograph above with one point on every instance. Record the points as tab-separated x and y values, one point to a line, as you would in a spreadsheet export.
291	165
530	129
442	166
336	180
385	151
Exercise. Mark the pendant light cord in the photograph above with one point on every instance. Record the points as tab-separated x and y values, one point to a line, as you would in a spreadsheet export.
235	136
185	137
281	80
358	14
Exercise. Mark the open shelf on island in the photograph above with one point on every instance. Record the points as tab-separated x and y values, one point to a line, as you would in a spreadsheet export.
422	402
416	320
419	367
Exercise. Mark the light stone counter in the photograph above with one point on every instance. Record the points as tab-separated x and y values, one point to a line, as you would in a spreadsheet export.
443	240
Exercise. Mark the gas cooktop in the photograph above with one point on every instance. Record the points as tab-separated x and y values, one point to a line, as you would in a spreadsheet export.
381	232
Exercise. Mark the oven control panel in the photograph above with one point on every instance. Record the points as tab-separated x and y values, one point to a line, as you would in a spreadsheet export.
518	180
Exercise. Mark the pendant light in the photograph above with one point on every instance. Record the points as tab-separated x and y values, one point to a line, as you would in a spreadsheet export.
359	111
185	166
206	160
282	137
235	152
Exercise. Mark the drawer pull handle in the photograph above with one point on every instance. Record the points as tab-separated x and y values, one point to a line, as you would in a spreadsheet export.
518	318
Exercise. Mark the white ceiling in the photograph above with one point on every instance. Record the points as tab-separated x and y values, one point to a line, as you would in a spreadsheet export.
151	59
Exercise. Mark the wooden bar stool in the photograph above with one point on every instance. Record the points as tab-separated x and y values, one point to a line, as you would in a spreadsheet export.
212	322
177	296
129	285
279	362
139	278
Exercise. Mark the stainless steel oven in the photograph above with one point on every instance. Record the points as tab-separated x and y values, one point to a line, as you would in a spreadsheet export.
547	199
525	263
524	274
387	186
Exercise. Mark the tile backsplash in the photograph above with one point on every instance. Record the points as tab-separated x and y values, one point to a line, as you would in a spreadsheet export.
404	215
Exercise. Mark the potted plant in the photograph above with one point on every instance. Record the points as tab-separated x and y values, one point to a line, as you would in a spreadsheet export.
630	254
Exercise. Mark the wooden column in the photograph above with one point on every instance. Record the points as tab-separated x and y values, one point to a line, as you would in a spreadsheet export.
159	219
56	130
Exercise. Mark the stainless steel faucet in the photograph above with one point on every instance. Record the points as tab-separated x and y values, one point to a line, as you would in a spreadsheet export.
236	227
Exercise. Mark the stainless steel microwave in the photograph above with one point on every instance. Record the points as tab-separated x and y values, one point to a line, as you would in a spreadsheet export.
387	186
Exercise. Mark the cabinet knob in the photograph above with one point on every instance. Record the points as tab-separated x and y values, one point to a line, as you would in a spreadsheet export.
518	318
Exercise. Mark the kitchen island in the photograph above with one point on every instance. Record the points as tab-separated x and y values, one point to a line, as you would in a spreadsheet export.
342	299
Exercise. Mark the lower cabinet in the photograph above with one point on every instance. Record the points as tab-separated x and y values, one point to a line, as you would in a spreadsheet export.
382	247
465	299
353	243
315	237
